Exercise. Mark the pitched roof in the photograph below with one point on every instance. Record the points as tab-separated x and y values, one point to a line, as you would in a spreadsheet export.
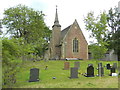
64	31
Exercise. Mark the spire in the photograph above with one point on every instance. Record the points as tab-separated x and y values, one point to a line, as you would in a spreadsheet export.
56	22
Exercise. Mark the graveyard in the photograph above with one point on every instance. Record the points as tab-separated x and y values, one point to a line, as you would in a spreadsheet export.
40	53
52	74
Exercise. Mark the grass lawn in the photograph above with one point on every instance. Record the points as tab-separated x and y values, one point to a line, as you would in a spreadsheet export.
0	74
55	69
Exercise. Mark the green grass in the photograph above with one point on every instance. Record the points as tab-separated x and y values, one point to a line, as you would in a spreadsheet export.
55	69
0	74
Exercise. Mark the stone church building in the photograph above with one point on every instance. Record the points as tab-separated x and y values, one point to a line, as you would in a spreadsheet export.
68	43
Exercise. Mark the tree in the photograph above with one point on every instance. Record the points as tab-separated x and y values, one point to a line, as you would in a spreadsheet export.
113	19
98	28
28	24
97	51
25	22
10	61
0	28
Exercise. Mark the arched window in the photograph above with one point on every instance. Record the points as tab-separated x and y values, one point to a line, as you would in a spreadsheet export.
75	45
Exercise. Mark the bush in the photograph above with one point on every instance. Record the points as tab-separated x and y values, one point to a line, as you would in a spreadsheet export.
10	61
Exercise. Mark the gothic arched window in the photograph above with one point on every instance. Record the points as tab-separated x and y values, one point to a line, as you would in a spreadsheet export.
75	45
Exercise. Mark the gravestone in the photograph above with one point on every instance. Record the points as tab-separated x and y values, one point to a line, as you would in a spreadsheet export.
74	72
90	64
115	65
90	71
100	70
66	65
108	66
34	75
77	64
112	70
99	64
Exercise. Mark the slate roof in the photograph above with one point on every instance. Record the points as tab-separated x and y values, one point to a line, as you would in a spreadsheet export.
64	32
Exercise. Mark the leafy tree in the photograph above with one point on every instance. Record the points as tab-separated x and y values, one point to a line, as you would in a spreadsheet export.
0	28
0	63
10	61
98	28
114	32
25	22
97	51
28	24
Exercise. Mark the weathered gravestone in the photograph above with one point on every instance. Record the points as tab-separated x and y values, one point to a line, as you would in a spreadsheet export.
115	65
90	70
99	64
66	65
34	75
100	70
112	70
74	72
77	64
108	66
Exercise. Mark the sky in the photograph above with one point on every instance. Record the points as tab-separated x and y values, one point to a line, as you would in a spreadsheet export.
68	10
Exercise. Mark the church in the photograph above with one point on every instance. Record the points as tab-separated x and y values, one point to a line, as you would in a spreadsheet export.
68	43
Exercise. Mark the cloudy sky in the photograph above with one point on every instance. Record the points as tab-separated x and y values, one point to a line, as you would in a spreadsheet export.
68	10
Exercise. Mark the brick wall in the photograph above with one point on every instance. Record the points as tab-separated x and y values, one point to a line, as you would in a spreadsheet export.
75	32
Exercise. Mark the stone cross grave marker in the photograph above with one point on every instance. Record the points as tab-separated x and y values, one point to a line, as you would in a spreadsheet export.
77	64
108	66
66	65
112	70
90	70
115	65
100	70
74	72
34	75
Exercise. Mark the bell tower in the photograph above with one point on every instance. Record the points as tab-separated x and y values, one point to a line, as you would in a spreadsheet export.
56	37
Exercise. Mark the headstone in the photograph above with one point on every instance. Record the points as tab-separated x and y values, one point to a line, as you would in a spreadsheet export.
66	65
99	64
112	70
34	75
100	70
115	65
77	64
90	71
74	72
90	64
108	66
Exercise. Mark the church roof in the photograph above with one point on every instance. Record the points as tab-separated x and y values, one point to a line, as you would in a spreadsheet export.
64	32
